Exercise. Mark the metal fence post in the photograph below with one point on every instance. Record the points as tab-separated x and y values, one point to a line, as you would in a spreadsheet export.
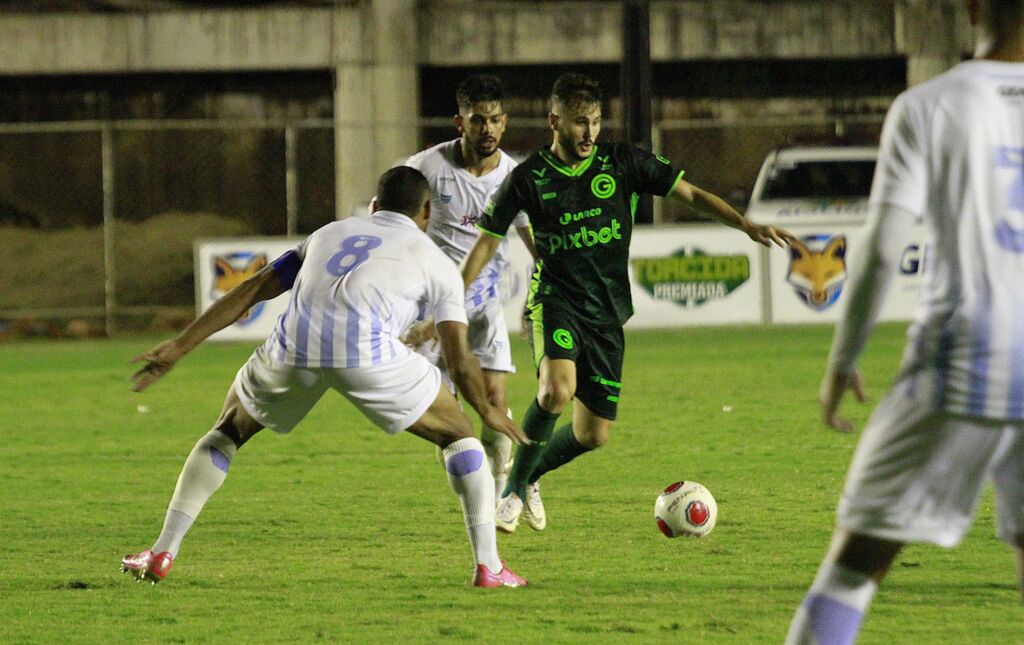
291	179
109	266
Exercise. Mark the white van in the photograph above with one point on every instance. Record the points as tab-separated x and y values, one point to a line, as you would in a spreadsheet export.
811	184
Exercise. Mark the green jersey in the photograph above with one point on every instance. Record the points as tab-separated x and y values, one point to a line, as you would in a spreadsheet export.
582	220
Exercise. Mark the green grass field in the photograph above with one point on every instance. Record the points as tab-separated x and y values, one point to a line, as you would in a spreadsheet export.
339	533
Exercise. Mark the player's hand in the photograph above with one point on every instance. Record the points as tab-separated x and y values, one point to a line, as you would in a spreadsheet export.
420	332
768	235
833	387
159	361
499	421
525	324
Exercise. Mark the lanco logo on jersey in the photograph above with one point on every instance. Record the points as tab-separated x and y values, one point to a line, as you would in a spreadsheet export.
691	279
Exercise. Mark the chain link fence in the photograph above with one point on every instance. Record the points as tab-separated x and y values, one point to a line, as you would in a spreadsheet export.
97	219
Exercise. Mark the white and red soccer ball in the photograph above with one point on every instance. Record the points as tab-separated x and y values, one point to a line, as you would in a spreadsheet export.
685	509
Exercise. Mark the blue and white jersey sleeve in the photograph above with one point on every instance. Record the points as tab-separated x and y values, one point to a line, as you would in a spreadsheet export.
901	175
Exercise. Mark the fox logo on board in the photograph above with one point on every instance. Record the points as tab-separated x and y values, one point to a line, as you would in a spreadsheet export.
231	270
817	269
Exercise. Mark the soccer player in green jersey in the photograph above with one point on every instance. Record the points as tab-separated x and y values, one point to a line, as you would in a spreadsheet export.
581	199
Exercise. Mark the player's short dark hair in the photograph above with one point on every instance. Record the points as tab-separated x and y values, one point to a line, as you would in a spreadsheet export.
403	190
478	88
575	90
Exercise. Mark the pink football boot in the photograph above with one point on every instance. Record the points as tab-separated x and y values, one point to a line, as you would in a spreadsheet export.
148	565
483	577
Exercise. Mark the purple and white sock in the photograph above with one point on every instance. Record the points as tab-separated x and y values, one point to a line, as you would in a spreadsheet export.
472	481
833	609
203	473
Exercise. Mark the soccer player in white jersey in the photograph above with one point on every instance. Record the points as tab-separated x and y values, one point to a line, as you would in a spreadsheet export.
952	156
356	285
463	173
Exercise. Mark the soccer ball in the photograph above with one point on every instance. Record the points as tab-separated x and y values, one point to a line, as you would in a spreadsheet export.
685	509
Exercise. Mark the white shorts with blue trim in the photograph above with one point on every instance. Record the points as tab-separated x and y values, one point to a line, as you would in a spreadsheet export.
393	396
918	473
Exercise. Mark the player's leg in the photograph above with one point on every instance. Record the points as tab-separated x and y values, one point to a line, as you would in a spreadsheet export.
1008	480
445	424
264	394
846	582
916	477
598	376
497	446
555	391
205	469
552	339
588	431
488	340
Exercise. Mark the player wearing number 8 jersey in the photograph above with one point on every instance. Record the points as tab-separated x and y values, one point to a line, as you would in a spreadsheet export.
580	197
356	285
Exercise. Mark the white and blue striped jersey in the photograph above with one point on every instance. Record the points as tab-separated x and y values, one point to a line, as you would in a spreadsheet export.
362	282
952	154
457	201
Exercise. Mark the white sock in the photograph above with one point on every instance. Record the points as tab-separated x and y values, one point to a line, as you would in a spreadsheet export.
833	609
203	473
498	449
473	483
176	525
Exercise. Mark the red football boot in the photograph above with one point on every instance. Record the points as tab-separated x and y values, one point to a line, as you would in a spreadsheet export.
148	565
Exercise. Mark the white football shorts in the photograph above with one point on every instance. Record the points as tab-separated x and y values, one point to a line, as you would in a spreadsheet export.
393	396
918	473
487	336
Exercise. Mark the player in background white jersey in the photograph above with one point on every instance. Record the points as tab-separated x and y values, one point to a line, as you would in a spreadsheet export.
463	173
356	285
952	156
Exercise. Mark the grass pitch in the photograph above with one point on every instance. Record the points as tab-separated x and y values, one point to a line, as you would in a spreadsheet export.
339	533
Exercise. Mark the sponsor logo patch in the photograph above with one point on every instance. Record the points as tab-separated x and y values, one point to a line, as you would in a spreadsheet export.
691	278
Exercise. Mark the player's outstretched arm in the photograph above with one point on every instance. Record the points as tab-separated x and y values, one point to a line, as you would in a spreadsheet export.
465	372
481	253
225	311
713	206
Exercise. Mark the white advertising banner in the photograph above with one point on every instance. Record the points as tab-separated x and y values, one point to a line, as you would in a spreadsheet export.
221	264
808	283
686	275
694	275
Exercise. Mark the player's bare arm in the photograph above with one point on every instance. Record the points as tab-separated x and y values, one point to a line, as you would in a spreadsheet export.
526	235
482	252
225	311
713	206
869	278
465	372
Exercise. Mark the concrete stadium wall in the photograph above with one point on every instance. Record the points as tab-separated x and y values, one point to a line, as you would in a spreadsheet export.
375	48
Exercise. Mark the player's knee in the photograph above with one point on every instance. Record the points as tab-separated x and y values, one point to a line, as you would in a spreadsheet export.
237	425
553	396
496	397
594	438
455	427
